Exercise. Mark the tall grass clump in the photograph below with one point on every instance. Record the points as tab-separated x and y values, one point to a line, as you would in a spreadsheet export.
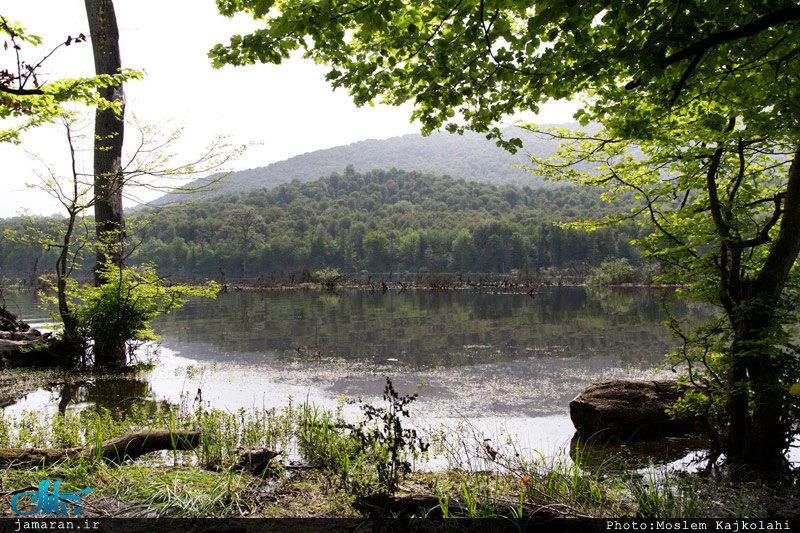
37	429
326	441
224	435
185	493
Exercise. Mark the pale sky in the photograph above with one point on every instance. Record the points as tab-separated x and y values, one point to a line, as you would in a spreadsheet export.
287	110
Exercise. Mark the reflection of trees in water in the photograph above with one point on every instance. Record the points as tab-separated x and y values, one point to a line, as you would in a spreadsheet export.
633	300
330	299
117	395
614	300
423	328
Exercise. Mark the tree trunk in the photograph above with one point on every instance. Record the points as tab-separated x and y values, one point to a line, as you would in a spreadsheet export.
72	344
108	179
757	437
737	403
769	436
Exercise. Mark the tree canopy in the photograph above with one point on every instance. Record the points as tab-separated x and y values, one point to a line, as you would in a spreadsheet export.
418	222
484	60
700	105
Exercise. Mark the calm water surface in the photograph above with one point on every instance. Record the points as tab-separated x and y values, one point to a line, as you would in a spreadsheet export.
502	363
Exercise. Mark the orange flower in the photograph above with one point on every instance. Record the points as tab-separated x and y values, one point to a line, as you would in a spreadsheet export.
525	480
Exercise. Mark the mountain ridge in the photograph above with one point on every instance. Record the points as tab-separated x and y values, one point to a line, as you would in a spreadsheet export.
470	156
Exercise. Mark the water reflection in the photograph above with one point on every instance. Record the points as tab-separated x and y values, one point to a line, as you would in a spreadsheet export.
117	395
604	458
422	329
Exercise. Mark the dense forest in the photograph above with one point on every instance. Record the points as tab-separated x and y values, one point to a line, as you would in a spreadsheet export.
376	221
470	156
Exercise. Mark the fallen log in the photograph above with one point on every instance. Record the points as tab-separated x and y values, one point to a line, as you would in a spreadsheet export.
115	450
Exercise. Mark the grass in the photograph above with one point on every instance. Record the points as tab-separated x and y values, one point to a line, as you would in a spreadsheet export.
184	492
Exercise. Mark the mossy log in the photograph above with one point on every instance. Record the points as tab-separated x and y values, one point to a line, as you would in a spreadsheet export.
115	450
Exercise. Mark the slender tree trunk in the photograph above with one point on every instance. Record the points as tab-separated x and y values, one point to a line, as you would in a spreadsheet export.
70	325
109	132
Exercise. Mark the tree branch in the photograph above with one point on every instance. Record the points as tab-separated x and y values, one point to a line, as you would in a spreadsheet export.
786	246
21	92
776	18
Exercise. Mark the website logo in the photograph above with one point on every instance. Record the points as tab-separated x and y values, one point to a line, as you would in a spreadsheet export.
50	501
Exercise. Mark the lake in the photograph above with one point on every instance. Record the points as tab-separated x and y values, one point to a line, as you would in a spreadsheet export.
504	364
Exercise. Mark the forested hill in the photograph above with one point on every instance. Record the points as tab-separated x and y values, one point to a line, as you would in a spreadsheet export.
377	221
381	221
470	156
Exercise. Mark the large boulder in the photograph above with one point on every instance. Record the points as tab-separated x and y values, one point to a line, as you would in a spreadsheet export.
628	409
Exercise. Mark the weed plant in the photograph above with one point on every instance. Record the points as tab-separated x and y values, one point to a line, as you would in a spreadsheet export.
369	457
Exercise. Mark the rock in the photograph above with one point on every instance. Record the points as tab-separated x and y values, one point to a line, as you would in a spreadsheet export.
628	409
22	345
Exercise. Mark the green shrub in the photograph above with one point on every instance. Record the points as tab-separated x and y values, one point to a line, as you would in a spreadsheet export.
120	310
612	272
329	278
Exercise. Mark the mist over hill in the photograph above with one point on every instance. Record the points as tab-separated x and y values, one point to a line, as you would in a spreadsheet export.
470	156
